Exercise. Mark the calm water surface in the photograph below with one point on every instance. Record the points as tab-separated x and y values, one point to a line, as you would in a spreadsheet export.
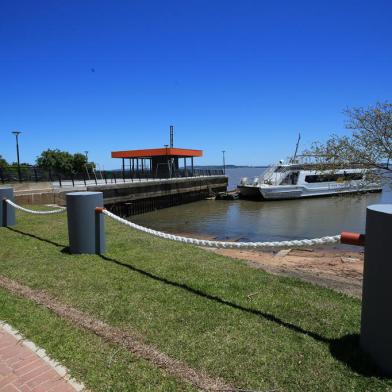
261	220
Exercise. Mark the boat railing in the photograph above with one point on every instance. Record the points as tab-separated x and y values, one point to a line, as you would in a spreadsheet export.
267	176
273	177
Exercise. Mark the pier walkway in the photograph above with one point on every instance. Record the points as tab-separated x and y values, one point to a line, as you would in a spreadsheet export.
84	184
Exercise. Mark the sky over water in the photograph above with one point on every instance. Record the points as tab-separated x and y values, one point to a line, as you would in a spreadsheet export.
244	77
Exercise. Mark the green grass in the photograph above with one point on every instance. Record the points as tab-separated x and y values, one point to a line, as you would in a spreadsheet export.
193	305
102	366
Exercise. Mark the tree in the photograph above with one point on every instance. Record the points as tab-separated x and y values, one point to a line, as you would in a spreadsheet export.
3	162
369	146
62	161
55	160
79	162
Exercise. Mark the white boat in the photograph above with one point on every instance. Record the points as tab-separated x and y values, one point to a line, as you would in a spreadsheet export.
296	180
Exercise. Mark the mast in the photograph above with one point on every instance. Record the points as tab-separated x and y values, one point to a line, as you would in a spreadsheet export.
296	147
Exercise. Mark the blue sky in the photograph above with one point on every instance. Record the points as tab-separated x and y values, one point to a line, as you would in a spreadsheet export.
241	76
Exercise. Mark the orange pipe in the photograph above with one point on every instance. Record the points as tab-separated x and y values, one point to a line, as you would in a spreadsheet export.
349	238
99	210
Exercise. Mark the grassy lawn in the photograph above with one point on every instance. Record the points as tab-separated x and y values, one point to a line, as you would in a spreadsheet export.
102	366
194	306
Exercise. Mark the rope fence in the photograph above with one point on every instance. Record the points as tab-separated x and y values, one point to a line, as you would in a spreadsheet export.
35	212
224	244
268	245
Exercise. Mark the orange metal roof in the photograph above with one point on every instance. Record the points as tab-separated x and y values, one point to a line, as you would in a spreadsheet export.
154	152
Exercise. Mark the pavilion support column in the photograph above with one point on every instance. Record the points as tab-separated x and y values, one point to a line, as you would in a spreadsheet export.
123	167
192	165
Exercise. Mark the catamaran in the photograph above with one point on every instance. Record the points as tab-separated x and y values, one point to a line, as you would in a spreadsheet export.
299	179
293	181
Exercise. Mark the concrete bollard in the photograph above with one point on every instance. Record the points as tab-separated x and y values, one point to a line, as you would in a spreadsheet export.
86	229
7	212
376	319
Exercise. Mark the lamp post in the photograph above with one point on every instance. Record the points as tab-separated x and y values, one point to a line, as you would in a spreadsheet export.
224	163
86	164
17	133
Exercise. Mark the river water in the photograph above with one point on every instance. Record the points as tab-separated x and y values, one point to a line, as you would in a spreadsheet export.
249	220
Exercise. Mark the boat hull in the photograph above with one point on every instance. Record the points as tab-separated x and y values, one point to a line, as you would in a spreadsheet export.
249	192
299	192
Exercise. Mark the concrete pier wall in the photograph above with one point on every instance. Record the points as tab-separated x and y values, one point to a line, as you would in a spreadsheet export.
118	193
141	196
131	199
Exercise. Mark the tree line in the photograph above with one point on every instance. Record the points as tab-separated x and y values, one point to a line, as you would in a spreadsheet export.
57	160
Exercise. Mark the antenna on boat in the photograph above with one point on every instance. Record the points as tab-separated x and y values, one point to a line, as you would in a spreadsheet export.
296	147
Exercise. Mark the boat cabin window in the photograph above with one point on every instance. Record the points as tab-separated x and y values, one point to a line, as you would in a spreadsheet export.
290	179
280	169
333	177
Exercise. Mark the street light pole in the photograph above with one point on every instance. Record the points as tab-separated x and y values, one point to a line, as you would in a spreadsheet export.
17	133
86	165
224	163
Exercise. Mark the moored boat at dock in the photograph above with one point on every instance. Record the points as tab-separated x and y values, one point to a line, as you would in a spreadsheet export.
296	180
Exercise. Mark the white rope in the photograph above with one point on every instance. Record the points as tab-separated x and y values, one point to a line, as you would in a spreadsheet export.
225	244
35	212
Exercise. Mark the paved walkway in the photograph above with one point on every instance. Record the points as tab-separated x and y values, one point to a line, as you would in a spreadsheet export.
25	368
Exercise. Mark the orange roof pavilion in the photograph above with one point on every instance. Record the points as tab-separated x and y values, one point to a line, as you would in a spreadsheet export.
160	162
158	152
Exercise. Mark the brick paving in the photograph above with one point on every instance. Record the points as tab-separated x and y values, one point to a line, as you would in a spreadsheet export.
22	370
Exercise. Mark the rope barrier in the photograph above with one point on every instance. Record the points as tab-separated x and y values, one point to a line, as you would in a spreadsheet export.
196	241
223	244
18	207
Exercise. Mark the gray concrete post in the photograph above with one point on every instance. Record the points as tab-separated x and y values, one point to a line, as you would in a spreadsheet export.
7	212
86	229
376	319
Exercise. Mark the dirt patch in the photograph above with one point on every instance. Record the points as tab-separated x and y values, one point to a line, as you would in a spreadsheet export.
178	369
334	268
330	266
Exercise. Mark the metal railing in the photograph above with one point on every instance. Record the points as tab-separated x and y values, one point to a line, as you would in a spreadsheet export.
10	174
